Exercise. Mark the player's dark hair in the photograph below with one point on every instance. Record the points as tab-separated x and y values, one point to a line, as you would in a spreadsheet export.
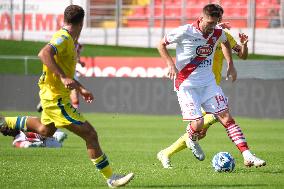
220	8
74	14
213	10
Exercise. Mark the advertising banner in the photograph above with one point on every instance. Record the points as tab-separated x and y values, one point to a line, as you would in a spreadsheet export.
144	67
37	21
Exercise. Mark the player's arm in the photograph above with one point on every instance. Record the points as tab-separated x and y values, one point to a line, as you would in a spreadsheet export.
46	55
242	50
227	51
86	94
172	70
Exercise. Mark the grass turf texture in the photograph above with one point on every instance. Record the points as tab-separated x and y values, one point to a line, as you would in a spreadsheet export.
131	143
28	48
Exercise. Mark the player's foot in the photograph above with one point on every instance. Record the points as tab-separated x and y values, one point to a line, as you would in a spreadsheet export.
164	160
60	136
119	180
254	161
195	148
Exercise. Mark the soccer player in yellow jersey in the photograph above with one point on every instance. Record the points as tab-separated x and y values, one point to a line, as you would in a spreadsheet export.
59	60
242	51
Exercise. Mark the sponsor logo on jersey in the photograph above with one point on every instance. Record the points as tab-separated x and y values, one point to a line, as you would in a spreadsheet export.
59	40
204	51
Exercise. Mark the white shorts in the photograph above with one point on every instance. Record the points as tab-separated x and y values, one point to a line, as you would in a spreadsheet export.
211	98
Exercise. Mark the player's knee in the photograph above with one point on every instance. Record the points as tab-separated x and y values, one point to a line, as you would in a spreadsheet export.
225	118
45	131
91	135
197	124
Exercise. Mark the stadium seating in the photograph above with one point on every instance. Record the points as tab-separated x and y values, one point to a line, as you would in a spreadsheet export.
236	12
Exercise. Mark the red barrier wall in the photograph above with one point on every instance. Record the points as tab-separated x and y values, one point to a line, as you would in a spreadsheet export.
147	67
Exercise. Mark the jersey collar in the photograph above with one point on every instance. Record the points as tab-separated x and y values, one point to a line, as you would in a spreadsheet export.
66	31
196	25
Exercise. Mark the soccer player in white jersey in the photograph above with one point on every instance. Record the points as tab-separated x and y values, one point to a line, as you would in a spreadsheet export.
31	139
195	83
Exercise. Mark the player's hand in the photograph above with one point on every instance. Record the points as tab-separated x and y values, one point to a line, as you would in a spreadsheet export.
87	95
232	72
172	72
69	83
243	38
224	25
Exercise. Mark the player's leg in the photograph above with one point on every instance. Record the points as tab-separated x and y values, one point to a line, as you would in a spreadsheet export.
99	159
27	123
68	117
164	155
236	135
190	102
218	104
179	144
190	108
193	130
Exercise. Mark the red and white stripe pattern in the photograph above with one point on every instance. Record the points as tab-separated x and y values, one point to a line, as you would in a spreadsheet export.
236	135
194	63
192	133
32	136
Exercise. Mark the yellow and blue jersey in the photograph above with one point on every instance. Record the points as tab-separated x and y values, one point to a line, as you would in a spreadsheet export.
218	58
65	57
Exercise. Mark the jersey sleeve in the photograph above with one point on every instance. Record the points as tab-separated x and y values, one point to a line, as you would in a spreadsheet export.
58	43
175	35
232	42
223	38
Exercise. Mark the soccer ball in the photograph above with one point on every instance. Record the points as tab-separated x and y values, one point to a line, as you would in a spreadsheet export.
223	162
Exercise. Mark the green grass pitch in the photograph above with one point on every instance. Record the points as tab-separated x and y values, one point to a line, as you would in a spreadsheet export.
131	143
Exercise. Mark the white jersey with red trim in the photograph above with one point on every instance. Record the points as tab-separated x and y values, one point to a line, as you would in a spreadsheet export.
22	137
194	54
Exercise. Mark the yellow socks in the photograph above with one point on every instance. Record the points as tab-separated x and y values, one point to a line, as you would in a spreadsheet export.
209	119
103	166
18	123
176	146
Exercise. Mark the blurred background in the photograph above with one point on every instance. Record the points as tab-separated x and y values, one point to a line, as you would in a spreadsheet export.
142	23
119	39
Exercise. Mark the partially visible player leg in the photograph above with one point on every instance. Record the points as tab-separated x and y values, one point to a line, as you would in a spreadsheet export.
164	155
64	115
99	159
27	123
190	100
17	123
236	135
190	107
179	145
193	130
